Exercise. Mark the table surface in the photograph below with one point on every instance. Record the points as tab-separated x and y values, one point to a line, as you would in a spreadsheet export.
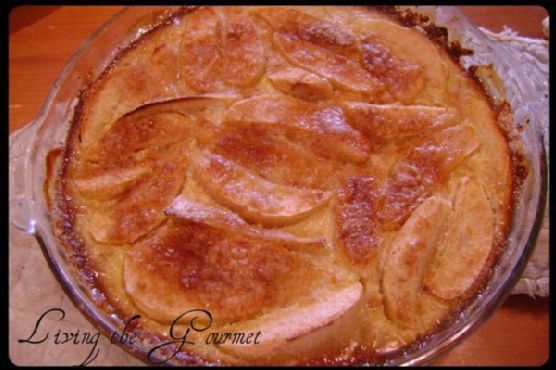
42	39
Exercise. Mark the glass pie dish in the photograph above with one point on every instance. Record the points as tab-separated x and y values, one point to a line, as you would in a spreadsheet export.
31	160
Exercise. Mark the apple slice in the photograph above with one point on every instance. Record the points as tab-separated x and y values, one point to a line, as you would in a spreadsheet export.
110	184
408	256
466	244
388	54
133	135
401	79
150	126
282	326
185	264
394	121
271	155
217	50
356	226
200	57
427	163
135	212
401	41
321	47
157	137
300	83
325	124
252	197
223	219
310	28
342	72
243	53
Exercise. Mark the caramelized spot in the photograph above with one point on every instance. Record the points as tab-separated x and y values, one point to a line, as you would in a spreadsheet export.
356	225
52	159
162	70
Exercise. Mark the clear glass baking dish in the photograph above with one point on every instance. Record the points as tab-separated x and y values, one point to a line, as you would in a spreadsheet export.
30	146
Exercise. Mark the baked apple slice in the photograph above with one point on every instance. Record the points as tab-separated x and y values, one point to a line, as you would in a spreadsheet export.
310	28
280	327
321	124
223	219
218	49
409	65
300	83
156	124
427	163
468	239
189	265
135	212
252	197
133	135
401	79
342	72
243	53
409	253
200	57
387	54
356	227
110	184
321	47
274	157
394	121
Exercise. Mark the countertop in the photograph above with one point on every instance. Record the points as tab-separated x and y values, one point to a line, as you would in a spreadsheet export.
42	39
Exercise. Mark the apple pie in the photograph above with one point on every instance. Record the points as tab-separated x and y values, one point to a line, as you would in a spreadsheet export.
328	178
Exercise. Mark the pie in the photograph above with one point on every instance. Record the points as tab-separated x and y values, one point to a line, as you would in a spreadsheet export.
327	177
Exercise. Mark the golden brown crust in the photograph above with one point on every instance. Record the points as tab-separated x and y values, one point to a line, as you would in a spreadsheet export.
312	108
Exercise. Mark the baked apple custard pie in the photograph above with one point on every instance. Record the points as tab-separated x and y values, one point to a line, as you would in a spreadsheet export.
325	183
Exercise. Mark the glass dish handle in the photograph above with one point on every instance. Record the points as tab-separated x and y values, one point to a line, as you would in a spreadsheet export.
20	198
